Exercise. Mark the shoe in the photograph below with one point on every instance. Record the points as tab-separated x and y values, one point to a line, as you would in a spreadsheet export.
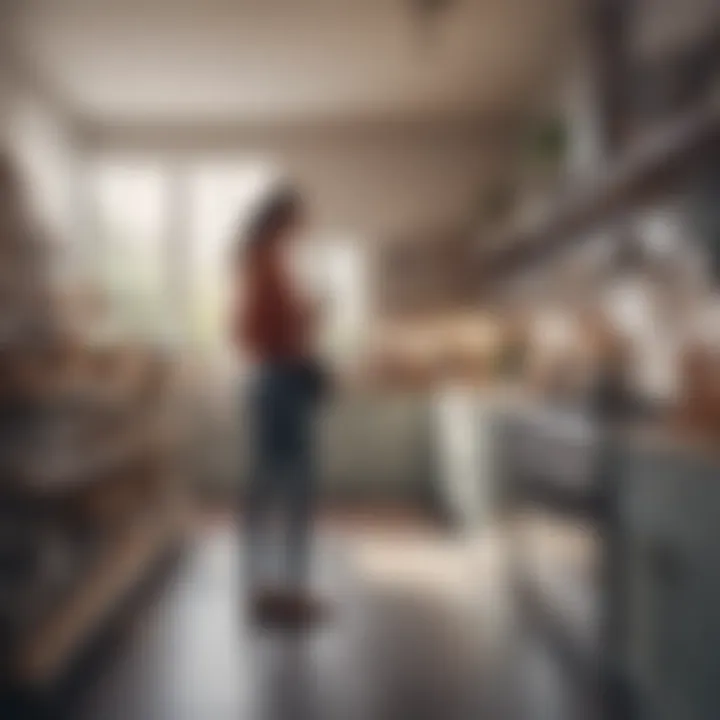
286	610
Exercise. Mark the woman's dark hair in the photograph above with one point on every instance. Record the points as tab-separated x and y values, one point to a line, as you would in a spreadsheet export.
275	214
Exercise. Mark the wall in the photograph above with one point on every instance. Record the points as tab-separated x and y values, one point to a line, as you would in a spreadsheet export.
6	79
45	150
372	180
40	135
662	26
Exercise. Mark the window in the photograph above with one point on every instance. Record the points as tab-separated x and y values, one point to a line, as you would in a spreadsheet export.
221	200
131	203
344	290
164	240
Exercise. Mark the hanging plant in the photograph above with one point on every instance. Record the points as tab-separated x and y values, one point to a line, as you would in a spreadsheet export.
547	143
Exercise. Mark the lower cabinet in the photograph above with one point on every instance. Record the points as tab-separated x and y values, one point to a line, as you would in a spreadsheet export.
670	511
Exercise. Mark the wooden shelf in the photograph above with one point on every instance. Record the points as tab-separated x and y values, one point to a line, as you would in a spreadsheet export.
85	466
646	170
48	650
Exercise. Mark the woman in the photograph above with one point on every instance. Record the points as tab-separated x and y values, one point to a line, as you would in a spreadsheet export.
275	324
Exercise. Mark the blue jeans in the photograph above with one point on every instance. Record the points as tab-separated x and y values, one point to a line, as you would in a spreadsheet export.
282	477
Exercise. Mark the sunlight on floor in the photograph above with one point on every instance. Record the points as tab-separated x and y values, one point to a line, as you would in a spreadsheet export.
450	568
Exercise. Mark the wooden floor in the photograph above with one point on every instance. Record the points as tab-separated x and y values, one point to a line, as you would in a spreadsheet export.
416	634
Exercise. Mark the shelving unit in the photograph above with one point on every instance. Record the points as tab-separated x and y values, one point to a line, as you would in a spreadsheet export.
556	519
567	472
50	646
642	172
90	497
92	521
572	482
565	479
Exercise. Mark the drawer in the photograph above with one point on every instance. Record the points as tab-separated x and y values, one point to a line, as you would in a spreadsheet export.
532	451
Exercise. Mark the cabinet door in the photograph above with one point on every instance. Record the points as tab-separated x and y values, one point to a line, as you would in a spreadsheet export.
672	529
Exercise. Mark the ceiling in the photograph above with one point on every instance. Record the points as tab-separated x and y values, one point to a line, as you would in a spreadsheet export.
298	60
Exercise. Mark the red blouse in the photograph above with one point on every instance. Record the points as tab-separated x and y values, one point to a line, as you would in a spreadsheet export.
271	320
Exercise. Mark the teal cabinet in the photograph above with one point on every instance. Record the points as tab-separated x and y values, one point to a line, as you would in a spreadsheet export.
670	513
